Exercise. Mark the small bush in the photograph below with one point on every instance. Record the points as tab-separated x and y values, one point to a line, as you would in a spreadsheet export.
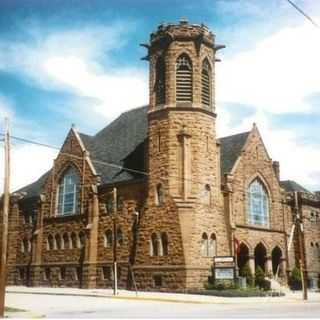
221	285
295	282
259	278
245	271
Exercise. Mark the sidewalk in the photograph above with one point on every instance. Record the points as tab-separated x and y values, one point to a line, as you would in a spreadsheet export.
162	296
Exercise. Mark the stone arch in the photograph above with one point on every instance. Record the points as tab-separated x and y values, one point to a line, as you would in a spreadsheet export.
184	78
206	82
276	256
66	241
258	175
51	242
243	255
159	196
58	241
73	242
160	80
164	243
260	256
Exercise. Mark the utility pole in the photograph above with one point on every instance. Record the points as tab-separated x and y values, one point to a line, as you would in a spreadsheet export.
299	228
114	218
4	222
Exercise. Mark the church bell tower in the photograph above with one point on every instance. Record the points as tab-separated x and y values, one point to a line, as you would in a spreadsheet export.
184	198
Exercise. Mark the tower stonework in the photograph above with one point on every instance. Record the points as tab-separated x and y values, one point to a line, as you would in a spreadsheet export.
183	161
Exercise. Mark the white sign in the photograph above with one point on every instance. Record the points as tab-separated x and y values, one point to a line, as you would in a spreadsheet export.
223	259
224	273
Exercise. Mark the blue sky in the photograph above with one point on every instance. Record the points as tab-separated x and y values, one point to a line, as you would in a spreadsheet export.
78	61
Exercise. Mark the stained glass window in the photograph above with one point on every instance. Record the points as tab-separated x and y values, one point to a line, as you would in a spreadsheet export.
68	193
258	204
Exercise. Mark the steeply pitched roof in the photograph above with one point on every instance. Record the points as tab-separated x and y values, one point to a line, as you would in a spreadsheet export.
120	143
123	143
291	186
230	149
33	189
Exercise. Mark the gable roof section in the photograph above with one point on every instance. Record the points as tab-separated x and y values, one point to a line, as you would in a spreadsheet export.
230	149
291	186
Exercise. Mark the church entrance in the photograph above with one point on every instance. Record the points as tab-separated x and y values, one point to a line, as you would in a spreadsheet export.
276	255
260	256
243	256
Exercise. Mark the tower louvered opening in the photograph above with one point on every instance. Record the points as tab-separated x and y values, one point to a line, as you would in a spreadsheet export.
160	88
184	79
206	83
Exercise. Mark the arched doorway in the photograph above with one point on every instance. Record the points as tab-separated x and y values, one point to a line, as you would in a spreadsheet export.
243	256
276	255
260	256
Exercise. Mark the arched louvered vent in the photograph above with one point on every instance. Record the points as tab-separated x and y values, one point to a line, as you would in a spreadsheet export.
206	83
160	88
184	79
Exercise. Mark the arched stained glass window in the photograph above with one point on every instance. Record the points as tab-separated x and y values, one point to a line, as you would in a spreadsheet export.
68	191
258	211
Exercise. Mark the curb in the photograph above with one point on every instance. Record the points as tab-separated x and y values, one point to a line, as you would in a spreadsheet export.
23	315
113	297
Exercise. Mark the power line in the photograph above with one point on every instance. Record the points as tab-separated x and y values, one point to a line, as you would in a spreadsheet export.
109	164
304	14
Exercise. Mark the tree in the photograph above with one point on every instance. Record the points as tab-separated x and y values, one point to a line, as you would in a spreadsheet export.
259	277
295	282
245	271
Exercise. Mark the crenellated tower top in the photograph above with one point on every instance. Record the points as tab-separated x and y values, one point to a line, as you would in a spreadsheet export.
182	60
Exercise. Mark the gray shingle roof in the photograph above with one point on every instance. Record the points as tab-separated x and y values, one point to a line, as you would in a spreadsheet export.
123	142
120	143
291	186
230	150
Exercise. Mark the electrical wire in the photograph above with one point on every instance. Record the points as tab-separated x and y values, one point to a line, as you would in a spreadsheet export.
109	164
303	13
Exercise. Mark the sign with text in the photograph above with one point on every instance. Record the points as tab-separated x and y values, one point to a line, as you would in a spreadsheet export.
223	259
224	273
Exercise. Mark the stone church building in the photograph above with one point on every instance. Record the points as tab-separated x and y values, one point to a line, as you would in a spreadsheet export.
157	190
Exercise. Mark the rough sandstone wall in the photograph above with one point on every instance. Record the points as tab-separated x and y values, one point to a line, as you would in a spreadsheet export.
311	240
185	213
255	162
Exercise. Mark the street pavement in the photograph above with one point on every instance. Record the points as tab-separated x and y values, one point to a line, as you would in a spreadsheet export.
99	303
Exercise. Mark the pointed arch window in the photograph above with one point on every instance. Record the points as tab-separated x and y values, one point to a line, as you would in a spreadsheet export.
258	208
108	238
206	85
204	245
183	79
159	195
68	192
160	88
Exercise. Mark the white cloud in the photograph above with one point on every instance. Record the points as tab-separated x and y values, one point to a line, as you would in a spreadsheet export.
71	61
277	75
28	163
117	91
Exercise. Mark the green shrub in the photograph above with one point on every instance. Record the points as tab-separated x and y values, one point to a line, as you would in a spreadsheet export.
245	271
259	278
221	285
295	282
